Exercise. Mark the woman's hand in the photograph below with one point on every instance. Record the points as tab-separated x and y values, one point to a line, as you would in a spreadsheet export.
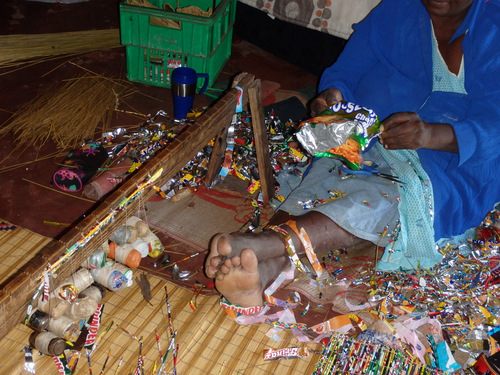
406	130
324	100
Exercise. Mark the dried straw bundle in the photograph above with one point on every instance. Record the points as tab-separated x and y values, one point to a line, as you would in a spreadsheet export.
23	47
68	115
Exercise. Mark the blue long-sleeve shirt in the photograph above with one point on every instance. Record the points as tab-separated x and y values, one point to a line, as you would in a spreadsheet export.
387	66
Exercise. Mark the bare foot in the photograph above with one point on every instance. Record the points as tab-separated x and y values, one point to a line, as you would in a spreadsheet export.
241	283
224	247
220	248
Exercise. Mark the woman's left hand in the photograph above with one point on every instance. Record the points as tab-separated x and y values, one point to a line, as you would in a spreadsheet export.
406	130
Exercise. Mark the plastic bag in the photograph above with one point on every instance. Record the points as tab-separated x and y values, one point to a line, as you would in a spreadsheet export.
342	131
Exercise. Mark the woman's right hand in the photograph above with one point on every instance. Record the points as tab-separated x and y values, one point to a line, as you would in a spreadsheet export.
325	99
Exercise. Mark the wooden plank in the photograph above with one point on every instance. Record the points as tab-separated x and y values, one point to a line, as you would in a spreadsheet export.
216	158
261	142
243	81
171	159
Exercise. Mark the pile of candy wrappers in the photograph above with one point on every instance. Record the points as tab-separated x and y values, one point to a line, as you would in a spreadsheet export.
429	321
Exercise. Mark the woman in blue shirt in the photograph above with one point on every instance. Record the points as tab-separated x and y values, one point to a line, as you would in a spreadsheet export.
431	72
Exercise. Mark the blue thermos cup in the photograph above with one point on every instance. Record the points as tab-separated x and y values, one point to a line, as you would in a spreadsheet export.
184	82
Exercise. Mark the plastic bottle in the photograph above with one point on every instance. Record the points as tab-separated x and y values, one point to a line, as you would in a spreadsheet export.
105	246
96	260
65	327
110	277
128	274
47	343
141	226
95	291
81	280
154	245
108	180
82	308
141	246
55	306
38	320
121	236
125	255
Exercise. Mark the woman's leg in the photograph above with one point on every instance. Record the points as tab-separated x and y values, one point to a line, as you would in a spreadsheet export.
242	277
324	234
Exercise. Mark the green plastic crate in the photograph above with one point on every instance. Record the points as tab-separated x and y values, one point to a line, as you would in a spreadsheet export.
154	66
158	41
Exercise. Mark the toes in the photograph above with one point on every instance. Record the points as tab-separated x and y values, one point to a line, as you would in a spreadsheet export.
221	245
249	261
229	263
235	261
212	266
225	269
215	261
220	248
239	280
211	271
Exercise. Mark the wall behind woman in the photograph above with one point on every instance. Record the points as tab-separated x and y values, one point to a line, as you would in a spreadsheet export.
309	49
